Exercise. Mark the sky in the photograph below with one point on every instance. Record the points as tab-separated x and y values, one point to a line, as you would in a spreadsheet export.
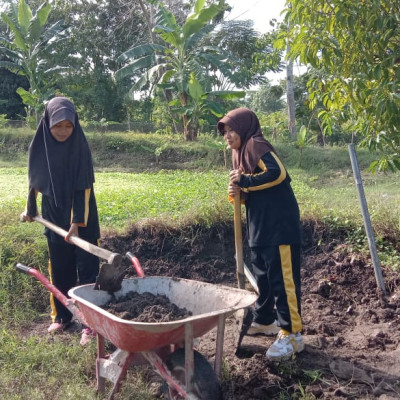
261	12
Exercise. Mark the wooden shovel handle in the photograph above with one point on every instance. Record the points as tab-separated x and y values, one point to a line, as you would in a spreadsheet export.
237	222
83	244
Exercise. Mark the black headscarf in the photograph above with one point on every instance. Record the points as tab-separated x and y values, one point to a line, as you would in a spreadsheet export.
253	144
58	169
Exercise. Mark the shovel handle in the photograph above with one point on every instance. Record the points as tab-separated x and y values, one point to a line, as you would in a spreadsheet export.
83	244
237	220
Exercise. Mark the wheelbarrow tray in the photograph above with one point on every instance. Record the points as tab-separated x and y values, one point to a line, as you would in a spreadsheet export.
206	301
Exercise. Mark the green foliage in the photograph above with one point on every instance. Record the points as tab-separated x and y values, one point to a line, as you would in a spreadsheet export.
3	120
301	141
267	99
180	64
249	56
24	52
352	47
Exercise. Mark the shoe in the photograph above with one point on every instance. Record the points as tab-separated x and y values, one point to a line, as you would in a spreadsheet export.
285	346
266	330
58	327
87	336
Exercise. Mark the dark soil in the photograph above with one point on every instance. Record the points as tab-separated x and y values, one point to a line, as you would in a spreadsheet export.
351	329
146	307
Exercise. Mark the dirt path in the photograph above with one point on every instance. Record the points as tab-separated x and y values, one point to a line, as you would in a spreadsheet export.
352	333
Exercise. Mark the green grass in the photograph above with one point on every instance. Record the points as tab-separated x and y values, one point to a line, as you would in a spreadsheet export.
125	198
37	367
133	185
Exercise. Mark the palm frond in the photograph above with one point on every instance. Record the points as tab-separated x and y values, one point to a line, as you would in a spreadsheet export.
12	67
130	69
140	51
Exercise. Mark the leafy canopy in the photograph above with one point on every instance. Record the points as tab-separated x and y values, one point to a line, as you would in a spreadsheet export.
353	47
25	47
179	63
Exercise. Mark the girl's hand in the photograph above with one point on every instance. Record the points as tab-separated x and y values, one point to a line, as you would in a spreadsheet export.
235	175
25	217
233	189
73	231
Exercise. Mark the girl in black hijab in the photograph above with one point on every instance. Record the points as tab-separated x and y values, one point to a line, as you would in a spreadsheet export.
60	168
273	230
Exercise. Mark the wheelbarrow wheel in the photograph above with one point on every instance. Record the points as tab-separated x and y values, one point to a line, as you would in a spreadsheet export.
205	386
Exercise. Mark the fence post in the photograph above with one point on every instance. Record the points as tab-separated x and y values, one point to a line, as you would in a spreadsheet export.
367	220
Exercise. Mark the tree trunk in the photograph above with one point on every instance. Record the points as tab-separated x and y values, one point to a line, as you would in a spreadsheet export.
148	16
290	93
187	126
290	99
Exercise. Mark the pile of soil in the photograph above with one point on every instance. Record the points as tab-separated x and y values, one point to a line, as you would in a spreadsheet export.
351	330
145	307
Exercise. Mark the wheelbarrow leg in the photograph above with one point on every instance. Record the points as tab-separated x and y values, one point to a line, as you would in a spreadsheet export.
113	368
189	357
219	345
101	381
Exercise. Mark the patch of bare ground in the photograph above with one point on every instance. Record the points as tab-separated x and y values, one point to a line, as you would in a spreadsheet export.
351	330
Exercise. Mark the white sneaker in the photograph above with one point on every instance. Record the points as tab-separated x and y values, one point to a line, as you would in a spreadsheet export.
285	346
266	330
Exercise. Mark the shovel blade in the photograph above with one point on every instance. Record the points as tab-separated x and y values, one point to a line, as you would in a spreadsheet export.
110	278
243	319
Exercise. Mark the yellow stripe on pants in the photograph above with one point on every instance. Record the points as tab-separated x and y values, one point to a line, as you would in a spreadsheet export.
290	289
53	313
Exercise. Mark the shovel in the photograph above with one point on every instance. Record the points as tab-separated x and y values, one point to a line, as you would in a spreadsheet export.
111	273
243	317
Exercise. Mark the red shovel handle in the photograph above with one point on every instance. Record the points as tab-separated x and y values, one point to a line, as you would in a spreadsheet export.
68	303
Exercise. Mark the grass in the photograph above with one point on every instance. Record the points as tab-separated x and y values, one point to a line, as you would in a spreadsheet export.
140	177
124	198
35	368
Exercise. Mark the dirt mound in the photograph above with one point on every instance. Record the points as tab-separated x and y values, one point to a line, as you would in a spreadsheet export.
351	330
145	307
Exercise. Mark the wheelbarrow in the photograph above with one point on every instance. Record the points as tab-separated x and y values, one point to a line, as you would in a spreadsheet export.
166	346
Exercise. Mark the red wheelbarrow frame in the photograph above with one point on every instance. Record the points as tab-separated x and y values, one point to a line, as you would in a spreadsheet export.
114	367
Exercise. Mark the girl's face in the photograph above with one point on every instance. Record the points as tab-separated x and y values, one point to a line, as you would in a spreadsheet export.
232	139
62	130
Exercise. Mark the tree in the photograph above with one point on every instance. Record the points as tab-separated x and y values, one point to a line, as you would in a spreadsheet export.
98	32
10	102
267	99
250	55
180	62
354	47
24	51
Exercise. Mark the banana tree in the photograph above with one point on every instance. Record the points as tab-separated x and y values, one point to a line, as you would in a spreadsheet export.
203	102
178	58
27	51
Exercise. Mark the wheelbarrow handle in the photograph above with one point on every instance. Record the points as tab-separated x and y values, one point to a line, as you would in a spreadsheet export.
136	264
112	258
64	300
23	268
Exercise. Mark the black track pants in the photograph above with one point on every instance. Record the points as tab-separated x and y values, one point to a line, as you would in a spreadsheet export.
277	271
68	266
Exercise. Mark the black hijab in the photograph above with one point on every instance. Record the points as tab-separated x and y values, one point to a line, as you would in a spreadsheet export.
253	144
58	169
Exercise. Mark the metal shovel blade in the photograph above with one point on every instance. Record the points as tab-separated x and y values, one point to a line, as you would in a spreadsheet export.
243	320
110	277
